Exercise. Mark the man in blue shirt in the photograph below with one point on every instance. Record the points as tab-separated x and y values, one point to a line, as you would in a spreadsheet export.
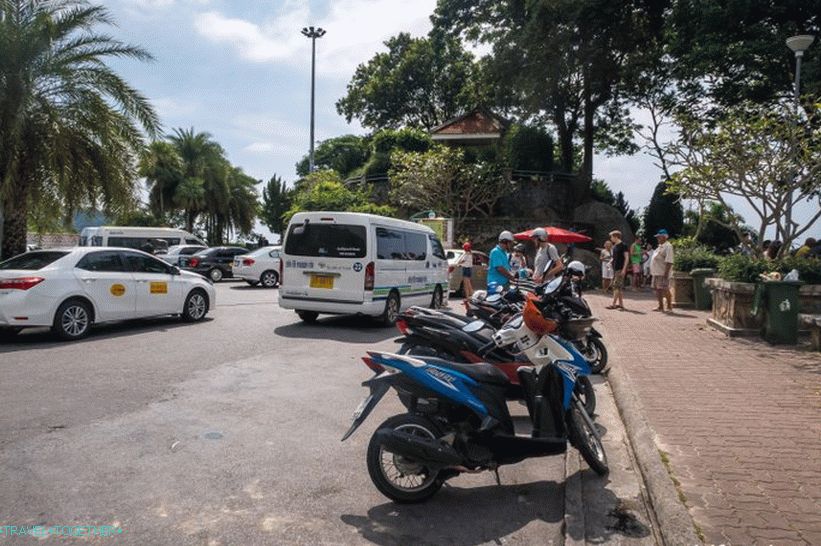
499	273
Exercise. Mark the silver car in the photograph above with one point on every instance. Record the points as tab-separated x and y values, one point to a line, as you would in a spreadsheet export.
178	251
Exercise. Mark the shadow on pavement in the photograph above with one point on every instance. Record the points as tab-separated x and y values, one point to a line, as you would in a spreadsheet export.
608	518
249	288
351	329
42	337
462	516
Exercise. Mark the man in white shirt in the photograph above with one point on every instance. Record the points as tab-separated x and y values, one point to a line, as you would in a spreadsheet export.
545	253
661	265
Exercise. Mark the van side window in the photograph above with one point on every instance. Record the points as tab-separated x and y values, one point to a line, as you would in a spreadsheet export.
390	244
416	246
438	251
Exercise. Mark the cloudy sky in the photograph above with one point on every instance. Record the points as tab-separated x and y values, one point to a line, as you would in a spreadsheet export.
240	70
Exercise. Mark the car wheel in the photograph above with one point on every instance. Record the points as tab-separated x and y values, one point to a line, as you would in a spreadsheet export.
195	307
269	279
72	320
308	317
216	274
392	307
436	302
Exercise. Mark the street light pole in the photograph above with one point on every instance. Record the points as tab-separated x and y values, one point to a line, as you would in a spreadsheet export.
313	34
798	44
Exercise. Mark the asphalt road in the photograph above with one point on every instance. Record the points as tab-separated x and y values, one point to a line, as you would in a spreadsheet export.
227	432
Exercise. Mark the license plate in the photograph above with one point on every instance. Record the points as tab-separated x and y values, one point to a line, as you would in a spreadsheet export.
322	281
358	411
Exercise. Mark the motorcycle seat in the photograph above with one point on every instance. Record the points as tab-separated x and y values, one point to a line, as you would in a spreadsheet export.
481	372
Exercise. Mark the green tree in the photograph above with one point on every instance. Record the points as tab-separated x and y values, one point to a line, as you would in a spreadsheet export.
324	190
442	180
713	226
276	200
664	212
241	214
567	62
70	126
729	51
529	148
384	142
162	168
190	197
343	154
418	82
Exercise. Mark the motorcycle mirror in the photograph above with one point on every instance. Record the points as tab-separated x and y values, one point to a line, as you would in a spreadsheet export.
474	326
553	285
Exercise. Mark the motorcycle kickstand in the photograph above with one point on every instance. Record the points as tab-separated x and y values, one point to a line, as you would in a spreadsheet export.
496	473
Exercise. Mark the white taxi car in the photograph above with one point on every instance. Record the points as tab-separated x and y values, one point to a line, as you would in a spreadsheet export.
71	289
259	267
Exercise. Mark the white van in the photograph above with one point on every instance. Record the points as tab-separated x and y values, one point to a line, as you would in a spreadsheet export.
137	237
352	263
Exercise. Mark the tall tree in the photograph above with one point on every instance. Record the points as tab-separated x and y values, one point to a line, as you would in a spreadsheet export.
728	51
276	200
418	82
565	62
162	168
664	212
70	126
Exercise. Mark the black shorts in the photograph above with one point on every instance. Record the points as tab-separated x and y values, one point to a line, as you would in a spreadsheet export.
467	272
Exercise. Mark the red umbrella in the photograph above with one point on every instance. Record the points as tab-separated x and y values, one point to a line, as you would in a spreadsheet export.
556	235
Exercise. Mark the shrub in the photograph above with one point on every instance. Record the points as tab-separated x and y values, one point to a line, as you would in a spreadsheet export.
740	268
809	269
689	258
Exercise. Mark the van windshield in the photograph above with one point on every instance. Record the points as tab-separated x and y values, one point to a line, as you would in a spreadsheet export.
326	241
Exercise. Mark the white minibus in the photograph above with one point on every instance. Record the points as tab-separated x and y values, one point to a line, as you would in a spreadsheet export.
137	237
352	263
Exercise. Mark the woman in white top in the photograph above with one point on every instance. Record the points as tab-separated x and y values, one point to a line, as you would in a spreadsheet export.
466	263
606	258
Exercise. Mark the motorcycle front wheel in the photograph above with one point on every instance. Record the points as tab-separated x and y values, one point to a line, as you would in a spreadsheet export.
585	438
399	478
595	353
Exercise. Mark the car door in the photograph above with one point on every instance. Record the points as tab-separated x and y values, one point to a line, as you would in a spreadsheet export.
158	291
109	284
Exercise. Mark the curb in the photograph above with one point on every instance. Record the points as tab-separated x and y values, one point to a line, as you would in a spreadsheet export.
675	523
574	524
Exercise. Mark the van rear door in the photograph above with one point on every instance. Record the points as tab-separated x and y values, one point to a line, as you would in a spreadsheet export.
326	261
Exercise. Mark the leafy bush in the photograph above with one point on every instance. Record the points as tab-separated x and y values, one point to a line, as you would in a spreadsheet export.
809	269
407	139
323	190
529	148
689	258
738	268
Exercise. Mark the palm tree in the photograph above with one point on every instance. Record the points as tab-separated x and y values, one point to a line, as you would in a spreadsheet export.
190	196
70	127
162	168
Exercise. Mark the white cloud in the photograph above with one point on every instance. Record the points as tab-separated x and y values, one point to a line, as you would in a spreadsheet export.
356	30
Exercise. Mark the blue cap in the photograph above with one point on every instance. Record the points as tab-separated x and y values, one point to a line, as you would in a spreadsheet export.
662	232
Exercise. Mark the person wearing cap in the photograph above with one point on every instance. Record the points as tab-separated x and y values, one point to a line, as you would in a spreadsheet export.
547	263
498	273
518	262
466	263
661	265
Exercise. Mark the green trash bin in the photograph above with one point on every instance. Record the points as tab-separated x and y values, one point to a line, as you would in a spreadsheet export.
780	302
701	292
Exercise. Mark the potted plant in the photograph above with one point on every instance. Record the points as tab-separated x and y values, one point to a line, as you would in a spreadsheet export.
685	259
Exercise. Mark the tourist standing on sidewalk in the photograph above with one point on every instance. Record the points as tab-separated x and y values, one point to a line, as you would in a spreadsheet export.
466	263
661	266
498	272
635	264
606	257
546	254
621	259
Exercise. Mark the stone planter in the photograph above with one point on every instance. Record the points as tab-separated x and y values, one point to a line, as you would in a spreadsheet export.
732	308
681	284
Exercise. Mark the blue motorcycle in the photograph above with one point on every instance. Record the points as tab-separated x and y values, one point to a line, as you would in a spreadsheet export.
458	420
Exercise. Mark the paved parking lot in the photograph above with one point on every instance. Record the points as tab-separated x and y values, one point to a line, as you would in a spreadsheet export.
227	432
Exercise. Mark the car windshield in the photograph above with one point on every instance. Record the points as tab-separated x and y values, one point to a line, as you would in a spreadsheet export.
32	261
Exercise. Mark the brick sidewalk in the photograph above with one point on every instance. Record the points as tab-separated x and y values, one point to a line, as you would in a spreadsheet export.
740	420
